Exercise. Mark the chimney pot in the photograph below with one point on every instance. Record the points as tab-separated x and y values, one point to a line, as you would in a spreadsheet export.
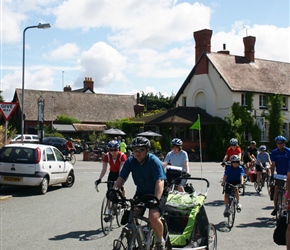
249	43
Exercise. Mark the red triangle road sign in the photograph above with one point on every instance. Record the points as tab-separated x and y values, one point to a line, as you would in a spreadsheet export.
7	109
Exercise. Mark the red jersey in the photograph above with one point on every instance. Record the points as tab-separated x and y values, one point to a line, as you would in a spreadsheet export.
114	164
231	152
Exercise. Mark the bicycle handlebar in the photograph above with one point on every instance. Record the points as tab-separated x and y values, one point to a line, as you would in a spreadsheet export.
102	182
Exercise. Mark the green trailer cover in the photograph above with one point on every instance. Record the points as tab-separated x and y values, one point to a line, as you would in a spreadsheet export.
188	205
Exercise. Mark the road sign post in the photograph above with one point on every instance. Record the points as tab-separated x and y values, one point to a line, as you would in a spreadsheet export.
7	109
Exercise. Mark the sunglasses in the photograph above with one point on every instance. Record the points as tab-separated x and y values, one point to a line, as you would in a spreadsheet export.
138	150
113	150
279	142
235	162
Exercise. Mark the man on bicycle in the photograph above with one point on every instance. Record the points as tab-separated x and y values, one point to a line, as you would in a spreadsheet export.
280	158
149	177
116	160
69	147
234	175
287	196
262	158
177	157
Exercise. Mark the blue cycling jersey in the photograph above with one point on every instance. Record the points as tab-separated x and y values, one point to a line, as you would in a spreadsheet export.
234	174
281	159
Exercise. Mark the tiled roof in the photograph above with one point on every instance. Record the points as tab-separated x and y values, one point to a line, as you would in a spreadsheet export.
86	107
262	76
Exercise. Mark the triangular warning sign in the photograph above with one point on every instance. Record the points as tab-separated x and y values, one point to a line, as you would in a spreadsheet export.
7	109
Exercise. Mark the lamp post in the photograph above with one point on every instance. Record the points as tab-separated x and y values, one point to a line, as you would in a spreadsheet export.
40	103
39	26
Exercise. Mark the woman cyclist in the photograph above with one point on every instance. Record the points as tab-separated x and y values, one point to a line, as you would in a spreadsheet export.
116	160
234	149
177	157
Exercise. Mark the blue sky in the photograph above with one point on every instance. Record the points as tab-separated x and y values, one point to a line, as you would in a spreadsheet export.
129	46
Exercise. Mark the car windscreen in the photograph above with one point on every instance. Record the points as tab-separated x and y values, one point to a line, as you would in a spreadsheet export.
17	155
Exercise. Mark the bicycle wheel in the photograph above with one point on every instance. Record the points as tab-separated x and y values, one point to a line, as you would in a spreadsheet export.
212	237
280	205
119	212
165	235
73	159
231	218
106	219
122	242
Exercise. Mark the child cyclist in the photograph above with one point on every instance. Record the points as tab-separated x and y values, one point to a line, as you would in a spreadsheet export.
234	175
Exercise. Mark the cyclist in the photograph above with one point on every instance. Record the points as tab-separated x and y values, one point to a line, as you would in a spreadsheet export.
69	147
234	175
287	195
123	146
262	158
250	156
177	157
234	149
280	158
116	160
149	177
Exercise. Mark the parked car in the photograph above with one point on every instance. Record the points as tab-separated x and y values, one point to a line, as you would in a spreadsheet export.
34	165
59	143
26	139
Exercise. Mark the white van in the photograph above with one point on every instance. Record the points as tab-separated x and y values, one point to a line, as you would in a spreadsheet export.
26	138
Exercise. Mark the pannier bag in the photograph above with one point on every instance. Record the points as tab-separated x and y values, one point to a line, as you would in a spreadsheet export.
173	172
180	213
253	175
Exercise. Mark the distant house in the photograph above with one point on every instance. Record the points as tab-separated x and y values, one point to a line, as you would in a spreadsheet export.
91	109
219	79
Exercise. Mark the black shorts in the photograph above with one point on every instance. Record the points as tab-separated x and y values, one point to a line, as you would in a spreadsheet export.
228	188
112	177
161	205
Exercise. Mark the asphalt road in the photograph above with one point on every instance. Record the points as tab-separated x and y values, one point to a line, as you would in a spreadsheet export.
69	218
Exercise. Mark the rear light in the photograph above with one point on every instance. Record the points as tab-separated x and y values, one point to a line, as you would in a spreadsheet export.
38	155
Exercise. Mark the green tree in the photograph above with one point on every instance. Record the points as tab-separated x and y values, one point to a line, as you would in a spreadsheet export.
275	118
156	101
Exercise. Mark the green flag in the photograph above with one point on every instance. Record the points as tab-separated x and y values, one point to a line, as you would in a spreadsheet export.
196	125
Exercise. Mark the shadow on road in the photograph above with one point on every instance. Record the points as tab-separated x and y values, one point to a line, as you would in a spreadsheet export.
24	191
81	235
215	203
260	222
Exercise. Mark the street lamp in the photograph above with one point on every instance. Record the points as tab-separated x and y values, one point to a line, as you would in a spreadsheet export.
39	26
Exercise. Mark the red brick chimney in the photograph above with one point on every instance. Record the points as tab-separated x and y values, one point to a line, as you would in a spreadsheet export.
224	51
202	44
67	88
249	43
138	108
88	83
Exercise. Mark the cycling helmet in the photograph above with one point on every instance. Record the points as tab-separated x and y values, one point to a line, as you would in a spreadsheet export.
235	158
113	144
233	142
253	142
263	147
176	141
140	142
280	138
70	139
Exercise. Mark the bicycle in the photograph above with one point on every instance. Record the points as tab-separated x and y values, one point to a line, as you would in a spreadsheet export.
72	158
232	204
107	218
137	232
280	181
265	178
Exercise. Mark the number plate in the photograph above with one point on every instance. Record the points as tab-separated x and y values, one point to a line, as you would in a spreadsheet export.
12	179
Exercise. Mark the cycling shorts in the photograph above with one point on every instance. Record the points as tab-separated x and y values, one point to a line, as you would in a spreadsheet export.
112	177
228	188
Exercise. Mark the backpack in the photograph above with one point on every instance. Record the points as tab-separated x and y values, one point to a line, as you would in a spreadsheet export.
279	235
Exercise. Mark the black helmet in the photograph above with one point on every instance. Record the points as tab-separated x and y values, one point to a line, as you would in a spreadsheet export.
140	142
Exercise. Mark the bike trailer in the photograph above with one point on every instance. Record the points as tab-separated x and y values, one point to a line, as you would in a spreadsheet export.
187	221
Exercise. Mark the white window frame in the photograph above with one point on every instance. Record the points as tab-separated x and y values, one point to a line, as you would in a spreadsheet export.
262	102
244	100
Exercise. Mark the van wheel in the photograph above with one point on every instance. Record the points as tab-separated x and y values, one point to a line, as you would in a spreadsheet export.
69	180
42	188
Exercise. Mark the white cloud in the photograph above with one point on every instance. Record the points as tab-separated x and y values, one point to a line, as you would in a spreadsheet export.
64	52
103	63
